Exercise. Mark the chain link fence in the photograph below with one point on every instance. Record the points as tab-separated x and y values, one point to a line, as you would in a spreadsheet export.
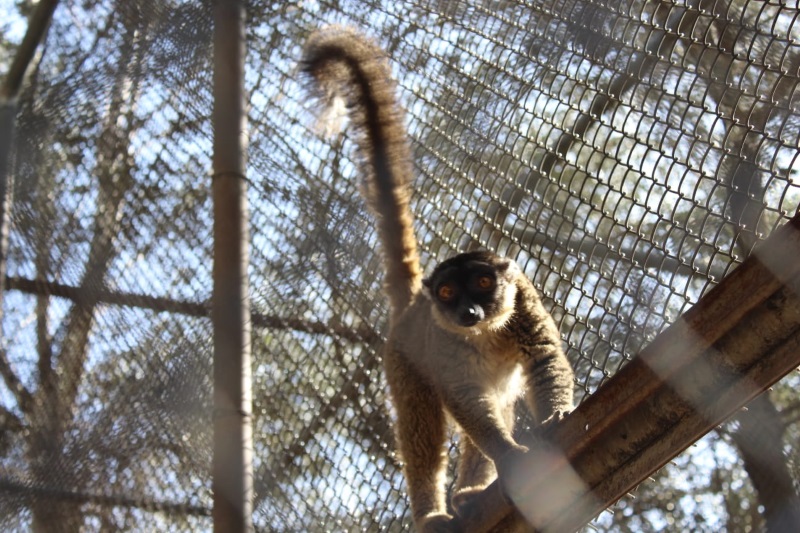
628	155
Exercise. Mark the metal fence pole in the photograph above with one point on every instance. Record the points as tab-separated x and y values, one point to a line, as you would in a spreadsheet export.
232	471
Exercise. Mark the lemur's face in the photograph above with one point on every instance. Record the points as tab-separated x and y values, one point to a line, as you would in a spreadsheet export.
473	290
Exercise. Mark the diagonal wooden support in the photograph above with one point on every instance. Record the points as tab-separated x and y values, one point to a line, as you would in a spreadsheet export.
740	338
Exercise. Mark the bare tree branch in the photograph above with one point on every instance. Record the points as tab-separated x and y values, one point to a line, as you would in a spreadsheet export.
362	334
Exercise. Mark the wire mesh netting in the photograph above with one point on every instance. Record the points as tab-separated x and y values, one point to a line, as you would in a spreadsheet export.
627	155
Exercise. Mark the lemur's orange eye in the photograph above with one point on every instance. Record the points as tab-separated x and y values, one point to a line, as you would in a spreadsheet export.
485	283
445	293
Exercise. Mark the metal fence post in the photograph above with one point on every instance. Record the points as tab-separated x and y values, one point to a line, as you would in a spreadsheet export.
232	471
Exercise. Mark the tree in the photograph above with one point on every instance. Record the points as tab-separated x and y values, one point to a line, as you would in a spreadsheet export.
760	439
81	189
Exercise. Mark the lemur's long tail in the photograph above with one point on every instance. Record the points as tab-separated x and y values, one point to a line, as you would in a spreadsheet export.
346	65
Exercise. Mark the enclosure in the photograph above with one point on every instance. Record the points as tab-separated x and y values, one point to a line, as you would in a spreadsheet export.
193	314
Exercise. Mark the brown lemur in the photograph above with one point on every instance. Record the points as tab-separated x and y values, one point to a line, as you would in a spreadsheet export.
466	342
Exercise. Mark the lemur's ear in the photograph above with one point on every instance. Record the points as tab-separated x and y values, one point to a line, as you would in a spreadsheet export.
502	264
